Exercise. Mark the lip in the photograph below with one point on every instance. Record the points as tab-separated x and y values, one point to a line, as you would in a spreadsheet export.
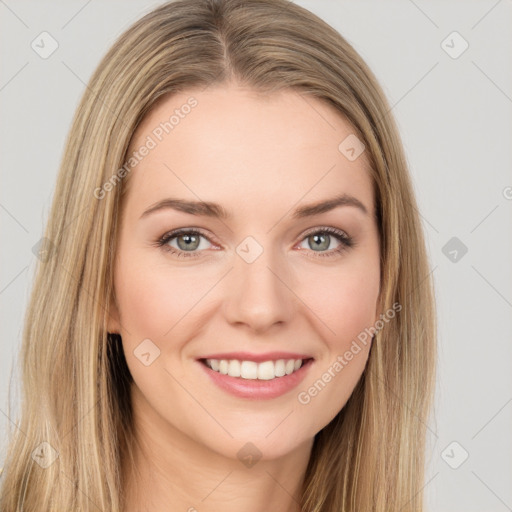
257	358
255	389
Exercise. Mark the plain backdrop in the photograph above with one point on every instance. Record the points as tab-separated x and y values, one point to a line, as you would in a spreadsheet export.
446	69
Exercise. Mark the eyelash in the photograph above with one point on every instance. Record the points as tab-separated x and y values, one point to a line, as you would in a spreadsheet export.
346	241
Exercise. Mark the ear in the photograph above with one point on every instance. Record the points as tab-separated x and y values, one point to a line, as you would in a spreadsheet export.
113	322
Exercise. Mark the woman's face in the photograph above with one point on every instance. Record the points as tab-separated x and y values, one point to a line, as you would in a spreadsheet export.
263	283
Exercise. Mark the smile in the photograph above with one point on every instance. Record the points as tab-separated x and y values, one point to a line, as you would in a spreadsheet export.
256	380
251	370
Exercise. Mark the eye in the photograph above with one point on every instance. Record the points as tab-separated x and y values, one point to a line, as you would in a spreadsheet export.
188	243
320	240
185	243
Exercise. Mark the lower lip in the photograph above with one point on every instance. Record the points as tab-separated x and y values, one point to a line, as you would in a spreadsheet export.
258	389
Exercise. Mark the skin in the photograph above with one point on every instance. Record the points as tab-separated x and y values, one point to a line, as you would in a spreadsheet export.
260	157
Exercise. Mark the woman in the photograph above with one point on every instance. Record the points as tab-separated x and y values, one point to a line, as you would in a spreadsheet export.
233	308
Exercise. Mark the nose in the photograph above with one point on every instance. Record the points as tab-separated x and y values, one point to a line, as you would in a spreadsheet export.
258	295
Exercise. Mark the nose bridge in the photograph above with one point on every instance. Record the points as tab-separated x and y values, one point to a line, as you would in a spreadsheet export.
258	295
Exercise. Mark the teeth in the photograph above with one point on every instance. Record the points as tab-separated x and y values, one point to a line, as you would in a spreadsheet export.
280	368
234	368
266	370
255	371
223	367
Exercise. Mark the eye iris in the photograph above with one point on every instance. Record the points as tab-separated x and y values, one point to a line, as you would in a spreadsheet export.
321	240
191	242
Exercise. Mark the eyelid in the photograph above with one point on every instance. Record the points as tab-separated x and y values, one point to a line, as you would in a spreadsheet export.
325	229
345	240
176	232
342	236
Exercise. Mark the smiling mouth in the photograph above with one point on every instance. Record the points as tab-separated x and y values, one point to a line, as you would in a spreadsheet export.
251	370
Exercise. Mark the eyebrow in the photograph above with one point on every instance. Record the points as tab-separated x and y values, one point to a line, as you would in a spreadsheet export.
214	210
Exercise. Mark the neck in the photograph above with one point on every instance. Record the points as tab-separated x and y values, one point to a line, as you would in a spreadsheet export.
171	471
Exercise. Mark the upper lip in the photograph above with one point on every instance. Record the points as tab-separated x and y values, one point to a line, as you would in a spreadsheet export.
257	358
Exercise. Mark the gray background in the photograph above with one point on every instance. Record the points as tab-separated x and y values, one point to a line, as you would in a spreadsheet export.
455	119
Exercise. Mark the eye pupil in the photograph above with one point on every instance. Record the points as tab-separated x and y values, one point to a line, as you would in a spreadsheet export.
320	241
190	240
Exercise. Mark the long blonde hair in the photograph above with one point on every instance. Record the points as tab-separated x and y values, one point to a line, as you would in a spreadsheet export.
75	381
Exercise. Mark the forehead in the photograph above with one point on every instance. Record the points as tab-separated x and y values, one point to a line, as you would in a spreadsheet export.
244	149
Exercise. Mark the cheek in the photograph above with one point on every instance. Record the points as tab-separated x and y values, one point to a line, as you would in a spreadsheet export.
153	304
152	300
344	301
